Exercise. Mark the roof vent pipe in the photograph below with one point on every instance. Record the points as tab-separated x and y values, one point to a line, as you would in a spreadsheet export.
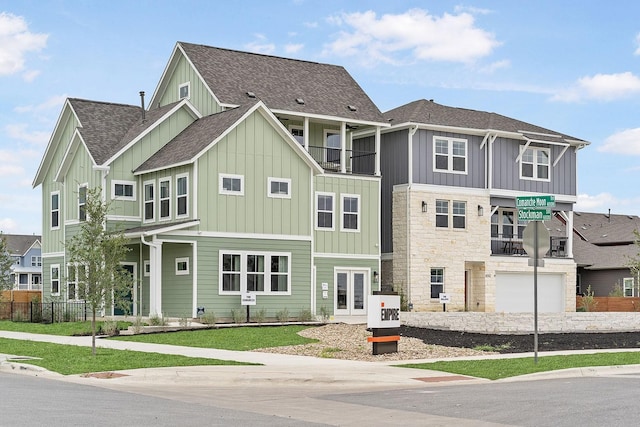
142	103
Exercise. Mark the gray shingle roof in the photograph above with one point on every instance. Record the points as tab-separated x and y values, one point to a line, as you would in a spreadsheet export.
195	138
325	89
19	244
429	112
107	127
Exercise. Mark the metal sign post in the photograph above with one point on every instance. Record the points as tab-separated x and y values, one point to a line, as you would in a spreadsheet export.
535	292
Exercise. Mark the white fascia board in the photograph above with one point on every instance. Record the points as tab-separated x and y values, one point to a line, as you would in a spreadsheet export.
444	189
164	168
562	198
331	118
184	103
72	149
168	229
354	177
45	163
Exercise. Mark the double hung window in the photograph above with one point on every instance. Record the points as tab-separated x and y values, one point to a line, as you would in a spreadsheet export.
450	155
437	282
256	272
324	211
534	163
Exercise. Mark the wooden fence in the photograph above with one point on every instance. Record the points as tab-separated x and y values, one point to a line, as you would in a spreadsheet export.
620	304
21	296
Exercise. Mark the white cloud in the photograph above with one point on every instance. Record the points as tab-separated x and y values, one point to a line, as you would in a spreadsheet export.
624	142
637	52
15	42
20	131
471	9
260	45
604	201
10	170
311	24
491	68
293	47
453	38
603	87
8	225
52	104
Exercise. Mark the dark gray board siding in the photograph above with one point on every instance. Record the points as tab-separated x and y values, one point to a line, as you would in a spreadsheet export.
506	171
602	282
423	171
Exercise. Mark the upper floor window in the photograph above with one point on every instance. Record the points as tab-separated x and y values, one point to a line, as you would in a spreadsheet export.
36	261
350	212
182	195
184	90
534	163
231	184
55	210
279	188
123	190
324	211
450	155
333	145
149	201
505	224
82	202
165	198
442	213
298	133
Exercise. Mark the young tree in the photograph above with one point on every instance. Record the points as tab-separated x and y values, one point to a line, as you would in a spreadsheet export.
95	255
5	266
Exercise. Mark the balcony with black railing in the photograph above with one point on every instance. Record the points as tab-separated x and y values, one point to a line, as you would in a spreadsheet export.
356	161
509	244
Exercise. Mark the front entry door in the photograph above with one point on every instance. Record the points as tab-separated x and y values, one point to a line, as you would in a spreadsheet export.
131	267
351	290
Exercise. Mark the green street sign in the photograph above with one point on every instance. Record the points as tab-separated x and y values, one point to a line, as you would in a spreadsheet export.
535	202
534	214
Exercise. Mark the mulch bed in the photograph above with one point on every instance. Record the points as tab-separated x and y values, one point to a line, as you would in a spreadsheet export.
524	343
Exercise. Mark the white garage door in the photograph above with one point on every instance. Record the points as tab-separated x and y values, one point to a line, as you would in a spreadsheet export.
514	293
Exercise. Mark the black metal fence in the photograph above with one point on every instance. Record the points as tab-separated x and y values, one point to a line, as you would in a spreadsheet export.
43	312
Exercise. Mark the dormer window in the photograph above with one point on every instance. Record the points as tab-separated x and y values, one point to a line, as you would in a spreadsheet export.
184	91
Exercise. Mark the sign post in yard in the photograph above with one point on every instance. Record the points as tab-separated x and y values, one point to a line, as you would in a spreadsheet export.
535	241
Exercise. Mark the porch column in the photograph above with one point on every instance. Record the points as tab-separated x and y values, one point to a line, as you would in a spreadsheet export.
343	144
569	229
155	277
305	133
377	150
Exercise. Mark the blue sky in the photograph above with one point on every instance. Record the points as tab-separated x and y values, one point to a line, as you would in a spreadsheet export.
572	67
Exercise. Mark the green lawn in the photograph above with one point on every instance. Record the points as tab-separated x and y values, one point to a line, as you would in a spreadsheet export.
70	359
234	338
61	328
495	369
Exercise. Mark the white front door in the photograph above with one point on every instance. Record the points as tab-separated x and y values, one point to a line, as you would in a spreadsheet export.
350	292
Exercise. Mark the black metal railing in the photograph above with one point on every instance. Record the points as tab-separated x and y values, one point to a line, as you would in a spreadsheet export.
43	312
357	161
505	244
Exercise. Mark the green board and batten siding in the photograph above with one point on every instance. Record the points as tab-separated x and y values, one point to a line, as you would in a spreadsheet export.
204	102
256	151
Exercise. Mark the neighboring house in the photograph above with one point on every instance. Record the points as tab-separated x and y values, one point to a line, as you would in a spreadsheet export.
603	247
241	177
450	177
26	271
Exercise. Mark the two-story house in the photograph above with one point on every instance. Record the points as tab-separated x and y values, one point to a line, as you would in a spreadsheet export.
241	177
26	271
450	177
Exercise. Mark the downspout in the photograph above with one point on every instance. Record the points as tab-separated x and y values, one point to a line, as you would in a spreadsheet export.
412	132
154	249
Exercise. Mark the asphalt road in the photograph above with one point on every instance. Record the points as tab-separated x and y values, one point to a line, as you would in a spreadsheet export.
584	401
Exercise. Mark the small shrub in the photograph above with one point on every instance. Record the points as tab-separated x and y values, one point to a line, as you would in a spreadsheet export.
184	321
497	348
616	291
109	327
237	315
156	320
305	315
138	325
259	315
208	318
283	315
588	302
324	312
328	352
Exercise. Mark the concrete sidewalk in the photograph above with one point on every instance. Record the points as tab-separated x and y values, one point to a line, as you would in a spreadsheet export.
283	369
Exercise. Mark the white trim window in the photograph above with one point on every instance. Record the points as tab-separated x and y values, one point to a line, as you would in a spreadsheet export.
350	212
628	287
182	196
146	268
82	202
123	190
459	212
75	276
279	188
184	90
231	184
55	210
442	213
255	272
55	279
36	261
449	155
506	225
534	163
333	147
165	198
298	133
182	266
149	207
437	282
324	211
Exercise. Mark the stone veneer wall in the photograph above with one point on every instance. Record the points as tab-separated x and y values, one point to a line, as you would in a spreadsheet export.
522	323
